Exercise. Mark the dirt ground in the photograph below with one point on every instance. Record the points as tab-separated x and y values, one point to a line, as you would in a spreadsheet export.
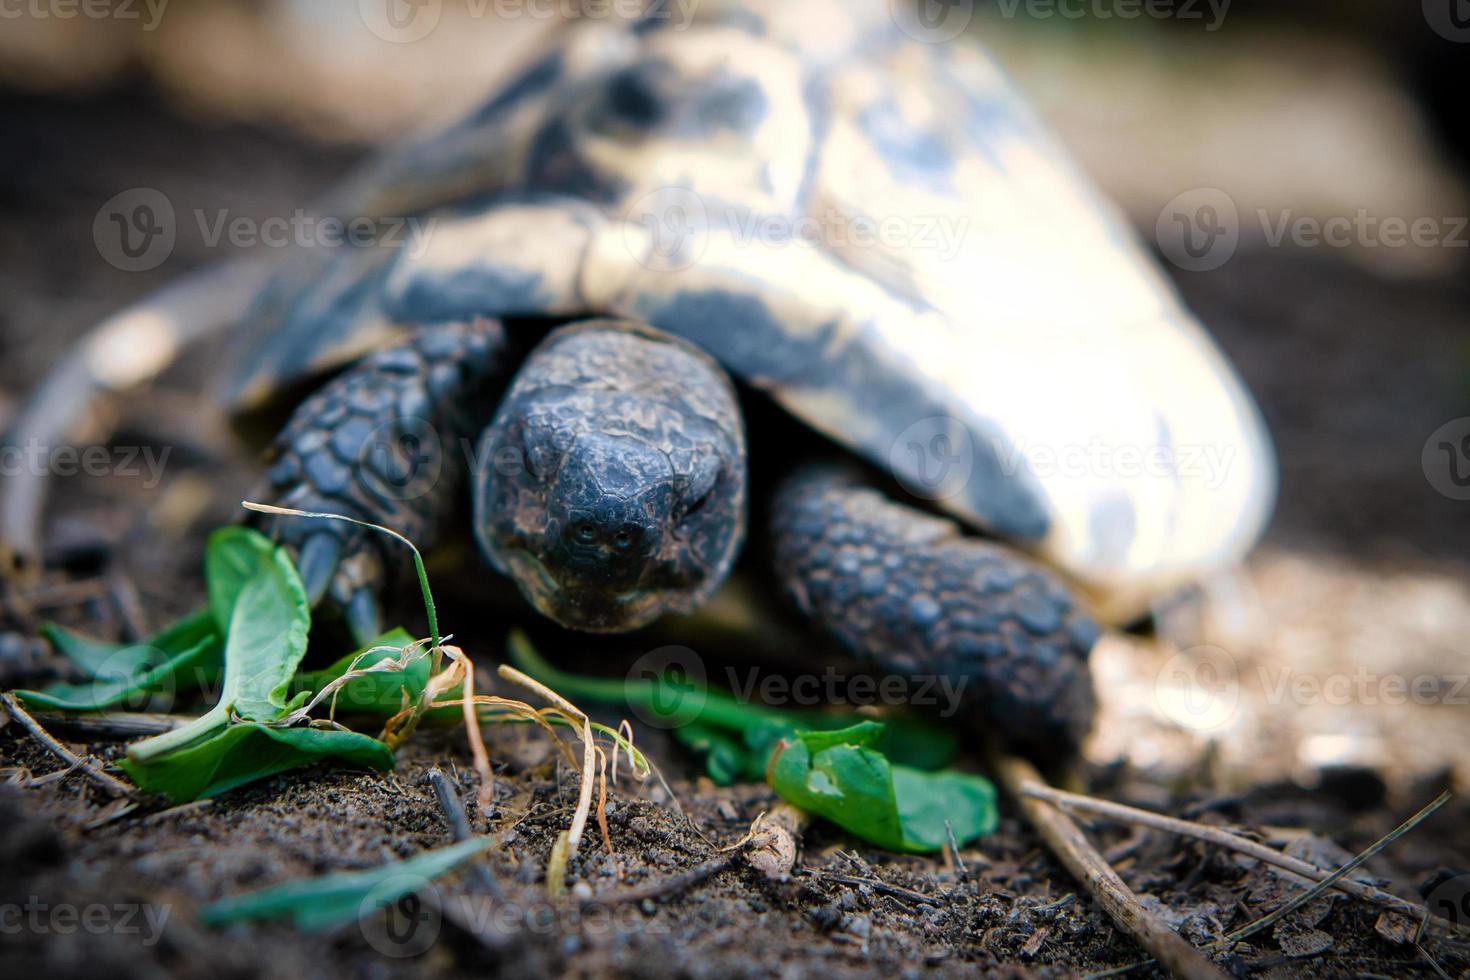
1353	373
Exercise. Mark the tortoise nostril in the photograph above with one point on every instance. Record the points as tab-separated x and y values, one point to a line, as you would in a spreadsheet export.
586	533
624	539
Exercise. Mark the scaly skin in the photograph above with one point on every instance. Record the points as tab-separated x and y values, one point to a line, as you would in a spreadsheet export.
382	442
911	594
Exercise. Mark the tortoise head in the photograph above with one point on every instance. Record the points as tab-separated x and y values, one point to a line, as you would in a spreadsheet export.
612	483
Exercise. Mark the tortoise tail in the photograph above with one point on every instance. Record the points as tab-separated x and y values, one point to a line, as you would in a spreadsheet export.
125	350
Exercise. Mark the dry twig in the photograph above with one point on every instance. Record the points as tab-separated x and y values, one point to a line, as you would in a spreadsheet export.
1066	840
1326	883
1222	838
111	784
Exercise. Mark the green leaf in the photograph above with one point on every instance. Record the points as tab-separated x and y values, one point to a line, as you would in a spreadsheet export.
264	641
317	904
840	776
232	557
88	654
131	674
726	759
130	679
245	752
927	799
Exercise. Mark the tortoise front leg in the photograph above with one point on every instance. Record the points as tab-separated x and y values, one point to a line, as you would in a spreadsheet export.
382	442
911	594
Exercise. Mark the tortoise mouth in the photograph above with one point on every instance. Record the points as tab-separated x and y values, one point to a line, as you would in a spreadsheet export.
579	606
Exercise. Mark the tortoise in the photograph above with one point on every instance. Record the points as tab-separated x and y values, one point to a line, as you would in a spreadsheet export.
800	213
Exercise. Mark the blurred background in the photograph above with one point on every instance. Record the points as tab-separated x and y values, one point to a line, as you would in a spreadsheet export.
1300	168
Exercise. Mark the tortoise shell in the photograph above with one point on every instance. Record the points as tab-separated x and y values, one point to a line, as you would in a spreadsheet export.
873	229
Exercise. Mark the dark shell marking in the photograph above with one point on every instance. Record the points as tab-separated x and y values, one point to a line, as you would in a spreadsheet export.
909	593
